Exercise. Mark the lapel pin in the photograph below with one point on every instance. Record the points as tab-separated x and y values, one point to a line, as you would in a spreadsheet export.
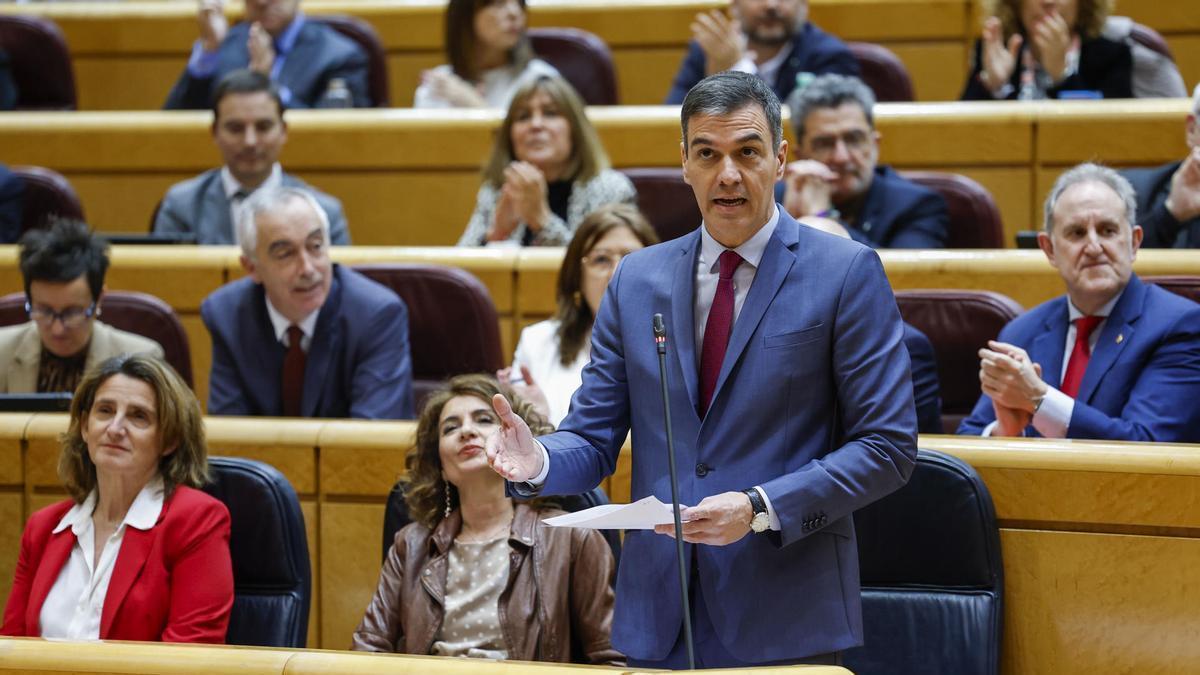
1120	337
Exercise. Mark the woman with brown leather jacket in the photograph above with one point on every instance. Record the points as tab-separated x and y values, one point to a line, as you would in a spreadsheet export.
475	574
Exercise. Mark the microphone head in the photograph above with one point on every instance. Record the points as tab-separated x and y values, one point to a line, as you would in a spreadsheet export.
660	329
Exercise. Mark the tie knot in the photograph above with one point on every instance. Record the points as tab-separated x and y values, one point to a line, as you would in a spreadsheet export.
729	263
1084	325
295	335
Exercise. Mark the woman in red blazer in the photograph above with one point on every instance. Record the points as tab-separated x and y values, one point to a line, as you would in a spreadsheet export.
137	553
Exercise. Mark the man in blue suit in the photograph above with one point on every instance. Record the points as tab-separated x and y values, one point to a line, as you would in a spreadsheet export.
1116	359
790	398
302	56
838	175
1168	196
300	336
769	38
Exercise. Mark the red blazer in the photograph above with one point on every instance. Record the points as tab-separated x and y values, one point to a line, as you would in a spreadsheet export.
173	582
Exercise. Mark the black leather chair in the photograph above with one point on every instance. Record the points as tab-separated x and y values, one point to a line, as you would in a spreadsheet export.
47	194
40	62
396	516
974	216
932	576
138	313
883	72
582	58
365	36
272	582
666	201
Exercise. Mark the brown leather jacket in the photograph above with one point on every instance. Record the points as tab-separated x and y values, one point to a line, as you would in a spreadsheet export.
557	605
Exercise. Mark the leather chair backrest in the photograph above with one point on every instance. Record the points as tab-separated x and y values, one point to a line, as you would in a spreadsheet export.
1181	285
40	62
138	313
883	72
958	323
666	201
271	575
1150	39
395	516
364	34
452	324
47	194
932	575
582	58
974	218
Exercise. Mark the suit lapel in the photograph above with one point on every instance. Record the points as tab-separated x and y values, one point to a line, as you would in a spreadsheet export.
1108	347
216	210
683	322
28	353
58	549
1047	347
325	345
135	548
100	343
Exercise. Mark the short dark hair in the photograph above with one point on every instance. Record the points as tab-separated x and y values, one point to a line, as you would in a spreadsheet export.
245	81
726	92
62	253
830	91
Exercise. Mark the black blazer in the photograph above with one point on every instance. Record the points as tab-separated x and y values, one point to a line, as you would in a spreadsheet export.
1104	65
1153	186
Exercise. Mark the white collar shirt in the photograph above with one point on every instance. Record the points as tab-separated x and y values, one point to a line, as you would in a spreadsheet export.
708	272
768	70
280	324
236	194
73	608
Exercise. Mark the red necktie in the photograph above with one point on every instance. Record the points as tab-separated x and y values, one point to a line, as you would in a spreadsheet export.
1077	365
293	373
717	329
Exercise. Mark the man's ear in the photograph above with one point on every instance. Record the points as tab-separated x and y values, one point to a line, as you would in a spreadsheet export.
781	155
1137	234
250	268
1047	245
683	161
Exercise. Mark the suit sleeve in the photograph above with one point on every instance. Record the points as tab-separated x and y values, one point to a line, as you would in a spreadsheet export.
382	626
339	231
925	382
354	73
201	577
874	393
690	72
167	219
190	93
33	542
592	597
925	224
983	414
225	393
382	384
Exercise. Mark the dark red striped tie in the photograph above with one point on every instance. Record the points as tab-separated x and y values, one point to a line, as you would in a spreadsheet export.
717	329
293	373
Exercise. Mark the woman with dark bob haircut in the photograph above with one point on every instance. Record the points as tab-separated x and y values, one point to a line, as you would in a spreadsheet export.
475	574
137	553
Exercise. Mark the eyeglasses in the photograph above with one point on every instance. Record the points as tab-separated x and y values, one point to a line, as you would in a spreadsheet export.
602	262
71	317
855	141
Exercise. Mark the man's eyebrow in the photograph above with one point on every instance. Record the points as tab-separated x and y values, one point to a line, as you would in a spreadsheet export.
749	137
700	140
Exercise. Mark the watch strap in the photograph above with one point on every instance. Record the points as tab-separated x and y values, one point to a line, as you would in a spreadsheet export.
757	504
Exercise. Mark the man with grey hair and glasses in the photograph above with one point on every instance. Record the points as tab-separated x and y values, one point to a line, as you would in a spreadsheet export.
1115	359
1168	196
837	174
300	336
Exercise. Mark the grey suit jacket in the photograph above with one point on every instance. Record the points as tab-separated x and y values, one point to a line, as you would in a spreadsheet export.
199	205
21	352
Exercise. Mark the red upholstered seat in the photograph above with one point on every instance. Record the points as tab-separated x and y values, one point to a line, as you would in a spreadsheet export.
41	63
974	217
47	194
883	72
582	58
666	201
364	34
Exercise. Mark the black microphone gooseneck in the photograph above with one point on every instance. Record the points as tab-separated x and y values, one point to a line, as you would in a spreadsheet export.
660	341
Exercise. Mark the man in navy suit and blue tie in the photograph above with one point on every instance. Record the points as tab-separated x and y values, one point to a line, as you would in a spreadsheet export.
1114	359
790	398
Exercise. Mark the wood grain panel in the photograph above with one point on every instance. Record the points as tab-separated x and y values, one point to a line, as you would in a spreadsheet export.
200	346
29	656
12	524
312	531
42	450
645	74
956	134
288	446
1186	49
12	431
937	69
1070	132
112	82
351	536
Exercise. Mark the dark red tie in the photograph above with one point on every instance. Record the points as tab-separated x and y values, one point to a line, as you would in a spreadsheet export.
717	329
1080	354
293	373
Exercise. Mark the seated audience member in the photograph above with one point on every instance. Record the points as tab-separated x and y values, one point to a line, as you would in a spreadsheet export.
774	40
503	586
837	175
249	130
921	356
488	54
551	354
1168	197
137	552
1116	359
63	269
547	171
300	336
307	59
12	189
1035	49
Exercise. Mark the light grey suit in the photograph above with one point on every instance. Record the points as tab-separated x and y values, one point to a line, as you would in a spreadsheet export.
199	205
21	352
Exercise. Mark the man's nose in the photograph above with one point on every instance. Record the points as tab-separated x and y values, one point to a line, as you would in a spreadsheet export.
250	137
729	172
841	151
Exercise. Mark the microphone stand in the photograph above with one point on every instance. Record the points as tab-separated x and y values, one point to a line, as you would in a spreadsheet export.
660	341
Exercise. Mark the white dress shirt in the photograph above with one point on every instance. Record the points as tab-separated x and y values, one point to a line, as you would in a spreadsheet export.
73	607
231	186
538	350
280	324
768	70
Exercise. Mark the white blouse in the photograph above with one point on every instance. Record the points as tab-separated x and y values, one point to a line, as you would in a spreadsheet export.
75	603
497	85
538	351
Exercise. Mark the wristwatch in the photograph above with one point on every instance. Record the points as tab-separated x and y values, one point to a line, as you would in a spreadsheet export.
760	521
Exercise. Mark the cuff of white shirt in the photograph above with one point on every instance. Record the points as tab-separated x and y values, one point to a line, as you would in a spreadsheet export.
538	480
1054	416
770	509
201	64
746	65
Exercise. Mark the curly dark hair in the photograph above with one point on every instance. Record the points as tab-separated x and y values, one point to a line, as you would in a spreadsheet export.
1089	20
62	253
425	489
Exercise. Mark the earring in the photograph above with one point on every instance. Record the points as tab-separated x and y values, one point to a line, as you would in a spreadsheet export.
447	513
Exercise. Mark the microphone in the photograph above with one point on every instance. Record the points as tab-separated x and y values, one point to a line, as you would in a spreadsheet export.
660	343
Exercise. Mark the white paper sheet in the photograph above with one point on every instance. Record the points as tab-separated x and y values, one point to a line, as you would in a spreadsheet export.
643	514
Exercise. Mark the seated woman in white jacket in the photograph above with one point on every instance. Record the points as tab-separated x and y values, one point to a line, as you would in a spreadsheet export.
551	354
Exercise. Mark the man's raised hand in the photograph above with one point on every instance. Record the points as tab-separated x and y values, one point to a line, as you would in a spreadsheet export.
511	450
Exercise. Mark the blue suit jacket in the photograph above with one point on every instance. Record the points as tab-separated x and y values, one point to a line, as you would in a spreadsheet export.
319	55
12	191
1142	382
814	403
813	51
1153	186
926	393
358	361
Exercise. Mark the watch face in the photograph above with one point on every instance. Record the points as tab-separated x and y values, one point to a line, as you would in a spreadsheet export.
760	522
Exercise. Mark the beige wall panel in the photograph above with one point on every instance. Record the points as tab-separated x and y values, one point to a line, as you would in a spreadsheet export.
200	345
42	450
404	73
894	19
937	69
1098	603
289	447
28	657
956	134
124	202
12	523
42	500
508	339
362	472
644	75
350	562
1112	132
12	431
312	529
181	276
141	82
1165	16
1186	49
537	275
10	274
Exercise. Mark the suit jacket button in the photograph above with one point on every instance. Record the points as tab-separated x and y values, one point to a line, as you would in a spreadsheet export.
702	469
